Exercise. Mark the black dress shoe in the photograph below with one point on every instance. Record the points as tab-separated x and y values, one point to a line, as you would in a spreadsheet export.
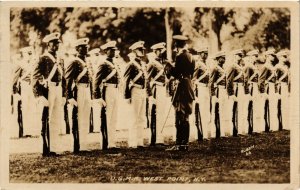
183	148
160	144
114	148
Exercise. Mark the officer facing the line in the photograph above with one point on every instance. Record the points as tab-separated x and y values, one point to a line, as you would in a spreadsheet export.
184	96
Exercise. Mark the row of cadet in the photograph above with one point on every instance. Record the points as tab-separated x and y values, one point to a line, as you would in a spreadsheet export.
236	96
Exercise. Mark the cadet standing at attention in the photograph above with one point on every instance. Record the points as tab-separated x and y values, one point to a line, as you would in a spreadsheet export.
136	91
107	77
78	94
47	88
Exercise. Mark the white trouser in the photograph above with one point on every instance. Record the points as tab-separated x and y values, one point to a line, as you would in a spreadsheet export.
112	105
97	118
203	100
29	111
83	101
260	112
243	101
228	128
285	105
55	114
138	101
273	102
257	114
223	98
161	112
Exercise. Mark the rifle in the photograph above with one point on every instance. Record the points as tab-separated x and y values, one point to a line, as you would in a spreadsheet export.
45	131
198	122
104	123
66	117
91	121
147	111
75	124
153	124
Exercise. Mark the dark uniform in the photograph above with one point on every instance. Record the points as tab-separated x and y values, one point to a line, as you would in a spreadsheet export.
184	95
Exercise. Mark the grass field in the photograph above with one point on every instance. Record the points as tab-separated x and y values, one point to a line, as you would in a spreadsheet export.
262	158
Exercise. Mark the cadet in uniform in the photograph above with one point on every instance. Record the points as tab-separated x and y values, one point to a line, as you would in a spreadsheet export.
47	88
235	89
93	60
266	83
136	83
78	94
107	76
219	95
251	89
183	96
283	78
22	91
201	79
157	77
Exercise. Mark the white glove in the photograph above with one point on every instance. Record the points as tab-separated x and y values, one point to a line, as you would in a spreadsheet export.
42	101
63	101
152	100
73	102
99	102
128	101
17	97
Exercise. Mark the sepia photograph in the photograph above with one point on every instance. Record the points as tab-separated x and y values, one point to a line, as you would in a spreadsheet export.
153	93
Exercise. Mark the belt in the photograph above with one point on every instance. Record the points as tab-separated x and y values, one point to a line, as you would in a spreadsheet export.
54	83
110	84
158	83
138	86
202	84
83	84
221	86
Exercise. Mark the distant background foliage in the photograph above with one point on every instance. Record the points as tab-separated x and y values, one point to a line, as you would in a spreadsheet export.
218	28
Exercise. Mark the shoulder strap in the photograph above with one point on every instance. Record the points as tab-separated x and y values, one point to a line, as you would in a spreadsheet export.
83	72
138	76
112	73
54	68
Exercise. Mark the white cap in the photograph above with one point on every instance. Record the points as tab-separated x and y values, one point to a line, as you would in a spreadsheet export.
180	37
81	41
111	44
282	53
50	37
219	54
161	45
237	51
136	45
270	52
201	49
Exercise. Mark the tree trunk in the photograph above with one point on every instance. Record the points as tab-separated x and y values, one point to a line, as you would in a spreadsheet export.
169	34
214	38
